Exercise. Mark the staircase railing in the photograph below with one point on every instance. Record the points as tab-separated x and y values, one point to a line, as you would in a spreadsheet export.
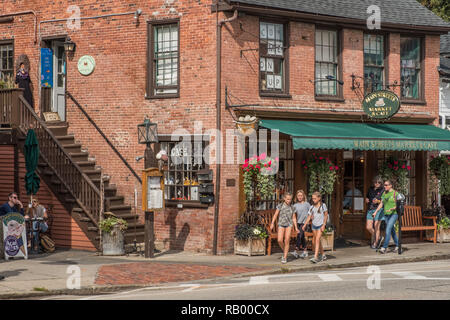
7	102
117	152
77	183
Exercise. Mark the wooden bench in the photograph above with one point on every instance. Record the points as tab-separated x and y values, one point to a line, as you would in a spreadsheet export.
412	220
267	216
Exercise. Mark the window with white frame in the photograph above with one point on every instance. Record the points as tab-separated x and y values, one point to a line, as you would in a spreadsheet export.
327	63
272	44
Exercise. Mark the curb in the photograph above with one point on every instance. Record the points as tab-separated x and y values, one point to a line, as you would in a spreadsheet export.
98	290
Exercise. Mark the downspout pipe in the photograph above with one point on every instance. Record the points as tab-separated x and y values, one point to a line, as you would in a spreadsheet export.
219	25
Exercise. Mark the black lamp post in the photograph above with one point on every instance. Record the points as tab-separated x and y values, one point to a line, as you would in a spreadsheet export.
148	134
69	45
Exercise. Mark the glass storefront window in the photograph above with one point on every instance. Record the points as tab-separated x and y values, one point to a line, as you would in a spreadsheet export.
353	197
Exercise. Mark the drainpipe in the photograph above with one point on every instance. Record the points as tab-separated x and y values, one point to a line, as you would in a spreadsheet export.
219	25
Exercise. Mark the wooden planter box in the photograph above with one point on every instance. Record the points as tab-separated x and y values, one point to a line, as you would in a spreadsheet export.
250	247
328	241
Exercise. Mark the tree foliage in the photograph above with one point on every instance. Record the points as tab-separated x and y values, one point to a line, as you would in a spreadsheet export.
439	7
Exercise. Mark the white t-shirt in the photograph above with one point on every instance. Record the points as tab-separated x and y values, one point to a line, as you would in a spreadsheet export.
318	214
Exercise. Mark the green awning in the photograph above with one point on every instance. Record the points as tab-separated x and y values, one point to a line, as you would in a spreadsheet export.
361	136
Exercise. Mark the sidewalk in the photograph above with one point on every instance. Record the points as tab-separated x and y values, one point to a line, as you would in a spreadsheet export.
47	274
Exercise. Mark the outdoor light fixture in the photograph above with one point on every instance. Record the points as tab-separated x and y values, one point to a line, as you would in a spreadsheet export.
69	45
137	14
147	132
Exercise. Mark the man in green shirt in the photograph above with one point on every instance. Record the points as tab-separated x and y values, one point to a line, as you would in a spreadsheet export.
389	203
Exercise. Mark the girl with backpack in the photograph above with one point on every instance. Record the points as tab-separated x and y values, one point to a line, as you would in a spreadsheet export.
389	204
318	214
287	216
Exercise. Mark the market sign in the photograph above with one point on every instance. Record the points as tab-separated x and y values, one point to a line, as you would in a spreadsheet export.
381	104
86	65
14	236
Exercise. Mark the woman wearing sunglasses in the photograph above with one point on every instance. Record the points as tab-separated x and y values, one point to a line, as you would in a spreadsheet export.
389	204
38	215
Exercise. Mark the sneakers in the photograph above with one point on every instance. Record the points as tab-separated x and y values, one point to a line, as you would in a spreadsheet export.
382	250
373	246
314	260
323	257
304	255
283	260
295	254
395	250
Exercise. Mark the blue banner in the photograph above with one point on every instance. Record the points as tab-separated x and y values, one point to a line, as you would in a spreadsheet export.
46	67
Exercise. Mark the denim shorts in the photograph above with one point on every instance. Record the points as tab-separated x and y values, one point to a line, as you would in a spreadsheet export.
379	216
317	227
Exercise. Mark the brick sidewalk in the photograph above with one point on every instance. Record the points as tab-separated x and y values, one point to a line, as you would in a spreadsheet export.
155	273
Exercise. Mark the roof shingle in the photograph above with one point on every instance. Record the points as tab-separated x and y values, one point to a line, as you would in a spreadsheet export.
406	12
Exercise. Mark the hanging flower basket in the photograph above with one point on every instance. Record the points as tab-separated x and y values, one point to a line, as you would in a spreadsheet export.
397	171
440	169
322	174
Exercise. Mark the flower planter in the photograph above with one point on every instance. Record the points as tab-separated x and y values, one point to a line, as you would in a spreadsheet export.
327	240
443	235
250	247
113	243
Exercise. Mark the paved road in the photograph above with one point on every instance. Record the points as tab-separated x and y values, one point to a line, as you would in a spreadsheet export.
424	280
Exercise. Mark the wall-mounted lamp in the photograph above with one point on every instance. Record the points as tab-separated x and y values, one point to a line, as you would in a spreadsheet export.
69	45
137	14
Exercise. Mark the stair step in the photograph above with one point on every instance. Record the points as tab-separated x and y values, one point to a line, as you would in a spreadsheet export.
73	147
92	229
79	156
110	190
77	210
120	207
70	200
58	129
85	219
66	140
132	224
116	200
92	173
128	216
48	172
42	164
57	182
86	163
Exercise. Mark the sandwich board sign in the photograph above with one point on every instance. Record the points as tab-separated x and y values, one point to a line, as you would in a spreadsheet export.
14	236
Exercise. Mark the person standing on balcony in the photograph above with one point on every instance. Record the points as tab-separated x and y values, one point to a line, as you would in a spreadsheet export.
24	81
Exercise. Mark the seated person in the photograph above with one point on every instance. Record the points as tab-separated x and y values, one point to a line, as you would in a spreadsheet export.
351	192
12	205
39	213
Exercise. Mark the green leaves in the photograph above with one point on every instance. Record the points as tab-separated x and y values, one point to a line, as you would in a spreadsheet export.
247	231
322	174
107	225
396	171
259	177
440	168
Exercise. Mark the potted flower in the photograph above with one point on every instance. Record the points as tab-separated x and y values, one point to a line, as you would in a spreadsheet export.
250	240
328	239
397	171
322	174
113	229
444	230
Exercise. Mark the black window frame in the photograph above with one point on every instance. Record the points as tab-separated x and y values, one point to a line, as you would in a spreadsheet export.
274	93
151	69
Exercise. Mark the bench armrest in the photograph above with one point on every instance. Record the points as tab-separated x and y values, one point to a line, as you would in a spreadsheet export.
431	218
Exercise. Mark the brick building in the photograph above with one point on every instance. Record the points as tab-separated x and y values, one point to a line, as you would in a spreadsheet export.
280	60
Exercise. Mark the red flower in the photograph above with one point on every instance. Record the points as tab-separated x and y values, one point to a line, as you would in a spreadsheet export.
269	163
331	168
306	167
321	158
408	167
303	161
395	168
390	165
336	168
403	166
395	162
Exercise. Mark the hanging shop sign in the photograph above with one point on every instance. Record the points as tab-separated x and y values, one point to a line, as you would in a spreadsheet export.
381	105
14	236
46	68
86	65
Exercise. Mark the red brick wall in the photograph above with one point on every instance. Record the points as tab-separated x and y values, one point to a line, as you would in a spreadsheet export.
114	95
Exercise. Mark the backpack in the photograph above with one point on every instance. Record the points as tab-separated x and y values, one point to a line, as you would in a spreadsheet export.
47	243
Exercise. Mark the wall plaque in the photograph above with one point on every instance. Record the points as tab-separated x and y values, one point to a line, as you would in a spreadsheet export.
381	105
86	65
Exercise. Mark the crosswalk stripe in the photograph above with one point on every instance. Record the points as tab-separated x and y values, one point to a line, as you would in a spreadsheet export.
409	275
259	280
330	277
